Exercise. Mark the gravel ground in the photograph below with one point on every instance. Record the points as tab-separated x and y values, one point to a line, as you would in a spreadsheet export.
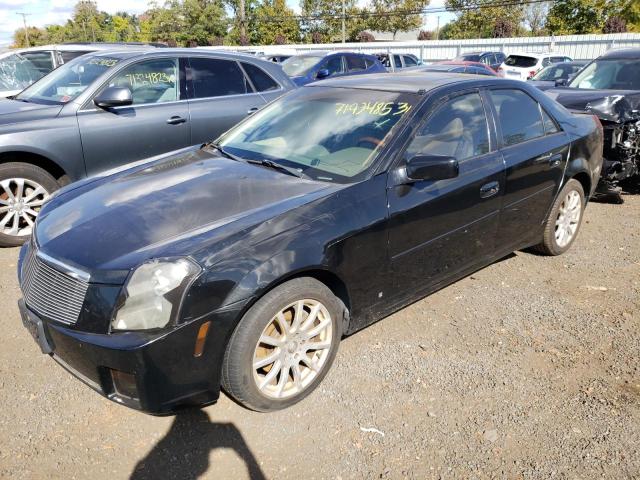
529	368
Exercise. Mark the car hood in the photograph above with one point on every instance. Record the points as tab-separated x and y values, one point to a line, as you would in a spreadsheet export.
617	106
174	206
14	111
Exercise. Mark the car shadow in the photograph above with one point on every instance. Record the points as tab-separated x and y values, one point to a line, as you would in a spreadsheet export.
184	451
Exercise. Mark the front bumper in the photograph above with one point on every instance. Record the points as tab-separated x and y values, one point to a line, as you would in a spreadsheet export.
163	373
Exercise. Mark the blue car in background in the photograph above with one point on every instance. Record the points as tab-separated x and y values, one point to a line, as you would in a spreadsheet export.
312	66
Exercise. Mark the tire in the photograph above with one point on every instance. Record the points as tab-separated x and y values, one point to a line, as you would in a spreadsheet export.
16	224
564	221
262	322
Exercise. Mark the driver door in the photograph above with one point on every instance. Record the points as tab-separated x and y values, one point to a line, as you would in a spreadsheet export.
156	122
439	228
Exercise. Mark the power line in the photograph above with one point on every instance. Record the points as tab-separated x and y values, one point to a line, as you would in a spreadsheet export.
423	11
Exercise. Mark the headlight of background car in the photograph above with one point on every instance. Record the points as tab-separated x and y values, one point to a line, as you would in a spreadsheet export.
153	294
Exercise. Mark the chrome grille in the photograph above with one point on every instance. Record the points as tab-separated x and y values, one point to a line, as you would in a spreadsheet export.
51	293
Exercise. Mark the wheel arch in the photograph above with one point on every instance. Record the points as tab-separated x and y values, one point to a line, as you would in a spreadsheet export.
21	156
578	169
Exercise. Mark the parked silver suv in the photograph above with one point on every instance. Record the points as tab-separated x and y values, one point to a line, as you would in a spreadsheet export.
106	109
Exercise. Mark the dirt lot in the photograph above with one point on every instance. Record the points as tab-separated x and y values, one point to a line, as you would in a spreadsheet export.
527	369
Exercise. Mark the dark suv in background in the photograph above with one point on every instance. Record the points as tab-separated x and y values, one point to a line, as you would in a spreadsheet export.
106	109
491	59
314	66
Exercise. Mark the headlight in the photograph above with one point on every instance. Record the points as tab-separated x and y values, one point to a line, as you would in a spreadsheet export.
153	294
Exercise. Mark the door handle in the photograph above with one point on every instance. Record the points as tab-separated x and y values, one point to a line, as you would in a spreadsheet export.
544	158
555	160
176	120
251	111
489	189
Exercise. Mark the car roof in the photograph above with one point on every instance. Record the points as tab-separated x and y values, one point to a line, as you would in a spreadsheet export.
143	52
415	81
622	53
537	54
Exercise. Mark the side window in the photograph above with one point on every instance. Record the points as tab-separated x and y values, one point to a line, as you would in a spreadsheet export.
153	81
492	59
397	61
457	129
519	116
546	61
334	64
43	61
369	63
67	56
409	61
260	79
356	64
212	77
550	126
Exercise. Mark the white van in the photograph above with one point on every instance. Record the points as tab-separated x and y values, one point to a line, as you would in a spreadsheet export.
524	65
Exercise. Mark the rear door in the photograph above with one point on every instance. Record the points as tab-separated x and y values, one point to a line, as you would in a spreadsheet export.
220	95
535	151
156	122
439	228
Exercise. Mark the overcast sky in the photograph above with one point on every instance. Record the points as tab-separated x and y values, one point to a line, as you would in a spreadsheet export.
46	12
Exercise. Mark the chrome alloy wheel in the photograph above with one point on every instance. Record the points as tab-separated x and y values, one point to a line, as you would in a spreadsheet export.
293	349
20	202
568	218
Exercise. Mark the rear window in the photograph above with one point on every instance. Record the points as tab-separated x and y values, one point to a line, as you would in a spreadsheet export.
469	58
520	61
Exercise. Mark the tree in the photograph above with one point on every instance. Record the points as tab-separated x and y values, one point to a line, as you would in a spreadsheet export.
203	20
365	36
477	19
276	23
325	17
37	36
534	17
614	24
570	17
393	15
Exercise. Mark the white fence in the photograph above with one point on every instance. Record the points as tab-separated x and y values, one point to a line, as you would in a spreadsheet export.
578	47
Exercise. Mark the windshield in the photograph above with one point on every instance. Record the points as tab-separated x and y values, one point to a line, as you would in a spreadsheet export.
328	134
68	81
520	61
300	65
609	75
17	73
554	72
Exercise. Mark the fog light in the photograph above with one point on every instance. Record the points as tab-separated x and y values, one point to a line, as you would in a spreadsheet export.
124	384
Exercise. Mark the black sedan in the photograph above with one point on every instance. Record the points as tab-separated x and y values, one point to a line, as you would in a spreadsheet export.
243	262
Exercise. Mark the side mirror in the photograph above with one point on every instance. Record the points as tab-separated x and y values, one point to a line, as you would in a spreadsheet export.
113	97
561	82
323	73
432	167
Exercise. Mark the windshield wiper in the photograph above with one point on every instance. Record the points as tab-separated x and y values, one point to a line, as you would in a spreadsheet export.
221	149
276	166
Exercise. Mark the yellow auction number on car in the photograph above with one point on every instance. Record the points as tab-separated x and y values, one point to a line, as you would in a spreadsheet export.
149	78
372	108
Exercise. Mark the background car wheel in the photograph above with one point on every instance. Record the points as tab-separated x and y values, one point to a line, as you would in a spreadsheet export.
565	218
283	346
23	190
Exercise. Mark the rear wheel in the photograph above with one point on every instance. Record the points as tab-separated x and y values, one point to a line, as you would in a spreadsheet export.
23	190
283	346
565	218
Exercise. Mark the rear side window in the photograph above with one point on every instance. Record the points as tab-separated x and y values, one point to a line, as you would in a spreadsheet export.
43	61
356	64
520	61
457	129
409	61
519	116
334	65
260	79
397	61
369	63
212	77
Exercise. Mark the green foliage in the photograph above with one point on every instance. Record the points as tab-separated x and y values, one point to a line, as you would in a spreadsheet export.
398	20
567	17
276	23
476	20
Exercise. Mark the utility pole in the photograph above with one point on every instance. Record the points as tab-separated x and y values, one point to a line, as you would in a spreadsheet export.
344	27
438	28
243	29
26	30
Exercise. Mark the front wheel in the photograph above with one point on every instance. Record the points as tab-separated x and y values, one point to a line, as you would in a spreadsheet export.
565	218
23	190
283	346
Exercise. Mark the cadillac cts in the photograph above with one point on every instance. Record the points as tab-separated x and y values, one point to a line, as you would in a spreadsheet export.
242	263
